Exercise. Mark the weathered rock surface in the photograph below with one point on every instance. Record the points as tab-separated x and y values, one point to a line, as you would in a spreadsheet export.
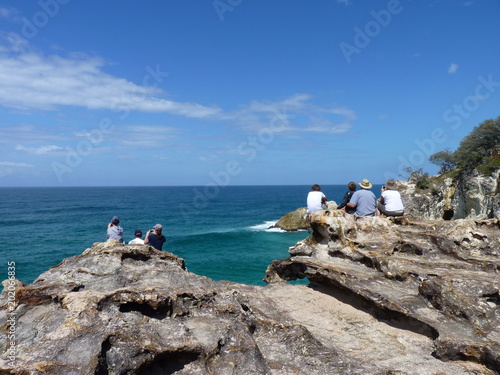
119	309
298	219
438	278
471	195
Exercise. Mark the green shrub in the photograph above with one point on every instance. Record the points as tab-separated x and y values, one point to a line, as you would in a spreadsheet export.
423	182
489	165
473	150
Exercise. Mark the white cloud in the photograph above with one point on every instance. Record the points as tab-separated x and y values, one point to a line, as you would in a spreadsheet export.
42	150
30	80
453	68
153	129
7	12
295	114
14	164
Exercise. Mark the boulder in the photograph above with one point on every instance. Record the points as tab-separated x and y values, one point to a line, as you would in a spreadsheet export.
298	219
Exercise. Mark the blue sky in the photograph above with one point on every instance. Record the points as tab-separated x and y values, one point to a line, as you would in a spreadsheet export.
239	92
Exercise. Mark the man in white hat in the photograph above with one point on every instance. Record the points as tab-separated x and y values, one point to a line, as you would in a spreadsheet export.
364	201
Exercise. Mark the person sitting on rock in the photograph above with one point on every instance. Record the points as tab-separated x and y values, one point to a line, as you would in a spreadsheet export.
155	238
390	203
114	231
347	197
364	201
315	199
137	238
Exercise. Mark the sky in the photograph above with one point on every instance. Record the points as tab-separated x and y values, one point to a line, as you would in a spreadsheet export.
240	92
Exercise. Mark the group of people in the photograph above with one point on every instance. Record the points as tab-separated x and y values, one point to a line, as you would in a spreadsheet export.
362	202
154	237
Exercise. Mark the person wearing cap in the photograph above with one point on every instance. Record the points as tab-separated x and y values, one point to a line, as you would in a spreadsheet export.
364	201
155	238
390	203
138	238
115	231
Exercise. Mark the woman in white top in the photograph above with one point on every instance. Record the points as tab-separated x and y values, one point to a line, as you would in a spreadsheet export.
390	203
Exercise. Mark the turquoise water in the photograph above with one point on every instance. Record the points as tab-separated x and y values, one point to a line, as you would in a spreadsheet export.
221	232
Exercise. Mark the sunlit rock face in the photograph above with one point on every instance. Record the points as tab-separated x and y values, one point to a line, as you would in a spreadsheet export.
441	278
388	297
119	309
469	196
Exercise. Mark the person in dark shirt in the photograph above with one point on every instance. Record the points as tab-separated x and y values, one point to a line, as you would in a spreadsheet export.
155	238
347	197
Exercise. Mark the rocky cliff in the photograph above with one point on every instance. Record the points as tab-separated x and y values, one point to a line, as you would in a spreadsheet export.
120	309
387	297
467	195
437	278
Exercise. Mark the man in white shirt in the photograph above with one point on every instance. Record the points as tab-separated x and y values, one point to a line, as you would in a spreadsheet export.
315	199
390	203
138	238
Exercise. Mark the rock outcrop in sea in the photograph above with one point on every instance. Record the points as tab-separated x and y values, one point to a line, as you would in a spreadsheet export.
298	219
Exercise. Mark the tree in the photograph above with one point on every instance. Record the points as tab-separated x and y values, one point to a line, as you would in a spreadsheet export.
472	149
478	144
445	159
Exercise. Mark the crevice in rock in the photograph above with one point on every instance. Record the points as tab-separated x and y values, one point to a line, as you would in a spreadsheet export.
408	248
448	214
488	356
252	327
167	363
135	256
368	262
288	272
102	364
492	297
161	312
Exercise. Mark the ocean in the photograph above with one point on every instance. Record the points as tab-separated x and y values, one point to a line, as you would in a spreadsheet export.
221	232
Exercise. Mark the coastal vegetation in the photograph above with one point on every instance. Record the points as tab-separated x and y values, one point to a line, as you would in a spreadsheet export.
468	183
479	150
